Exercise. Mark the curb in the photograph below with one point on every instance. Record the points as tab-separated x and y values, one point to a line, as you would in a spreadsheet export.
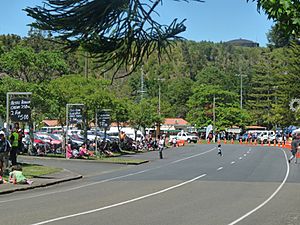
125	163
34	186
85	160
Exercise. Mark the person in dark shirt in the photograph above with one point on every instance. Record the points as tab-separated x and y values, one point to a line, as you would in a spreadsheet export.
4	150
294	148
220	150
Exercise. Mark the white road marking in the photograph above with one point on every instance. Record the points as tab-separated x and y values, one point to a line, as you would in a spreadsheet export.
120	203
241	158
220	168
270	198
245	155
106	180
77	187
233	162
193	156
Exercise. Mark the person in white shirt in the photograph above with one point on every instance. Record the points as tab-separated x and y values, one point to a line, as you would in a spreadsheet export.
161	145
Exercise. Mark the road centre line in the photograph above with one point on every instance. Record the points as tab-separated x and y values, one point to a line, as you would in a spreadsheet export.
233	162
220	168
120	203
241	158
107	180
193	156
270	198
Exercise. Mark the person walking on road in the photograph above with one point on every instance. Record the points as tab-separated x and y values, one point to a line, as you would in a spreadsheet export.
294	148
220	150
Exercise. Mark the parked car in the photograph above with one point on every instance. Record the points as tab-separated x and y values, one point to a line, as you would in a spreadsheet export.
184	136
266	136
91	135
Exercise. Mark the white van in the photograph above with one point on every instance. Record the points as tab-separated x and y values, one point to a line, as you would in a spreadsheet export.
265	136
130	132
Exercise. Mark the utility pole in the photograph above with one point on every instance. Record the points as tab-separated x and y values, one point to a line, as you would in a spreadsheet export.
214	112
241	88
142	84
159	94
86	67
159	105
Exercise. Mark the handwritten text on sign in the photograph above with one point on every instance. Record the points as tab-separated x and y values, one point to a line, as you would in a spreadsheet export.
20	110
75	115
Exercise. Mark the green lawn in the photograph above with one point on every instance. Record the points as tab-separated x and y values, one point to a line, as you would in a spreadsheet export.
121	160
33	170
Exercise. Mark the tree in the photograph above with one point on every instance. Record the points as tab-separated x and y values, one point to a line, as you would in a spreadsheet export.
77	89
19	63
227	111
263	90
120	111
25	64
8	42
278	38
144	114
39	40
178	93
290	79
117	32
286	14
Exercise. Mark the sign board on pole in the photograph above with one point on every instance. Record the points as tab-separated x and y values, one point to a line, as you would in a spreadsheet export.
104	119
75	115
19	109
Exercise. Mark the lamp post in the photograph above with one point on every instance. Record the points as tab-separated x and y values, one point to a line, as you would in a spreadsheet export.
214	112
159	105
241	88
159	94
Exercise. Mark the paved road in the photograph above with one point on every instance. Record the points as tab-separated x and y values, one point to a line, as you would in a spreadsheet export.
190	186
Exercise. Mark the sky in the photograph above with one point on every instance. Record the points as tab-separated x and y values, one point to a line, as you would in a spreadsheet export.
214	20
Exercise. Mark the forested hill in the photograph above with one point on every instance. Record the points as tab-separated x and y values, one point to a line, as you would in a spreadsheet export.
195	79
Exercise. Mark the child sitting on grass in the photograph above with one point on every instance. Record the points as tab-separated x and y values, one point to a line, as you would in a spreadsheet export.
16	176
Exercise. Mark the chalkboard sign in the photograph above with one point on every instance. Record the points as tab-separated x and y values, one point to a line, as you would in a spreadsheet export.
104	119
20	110
75	115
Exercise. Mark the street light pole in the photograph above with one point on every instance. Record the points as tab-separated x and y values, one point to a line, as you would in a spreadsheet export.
214	112
241	89
159	99
142	91
159	105
159	94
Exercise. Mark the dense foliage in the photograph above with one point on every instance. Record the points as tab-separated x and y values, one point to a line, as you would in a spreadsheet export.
200	82
204	82
286	14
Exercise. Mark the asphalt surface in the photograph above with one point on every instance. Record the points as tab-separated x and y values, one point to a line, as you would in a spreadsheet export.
190	186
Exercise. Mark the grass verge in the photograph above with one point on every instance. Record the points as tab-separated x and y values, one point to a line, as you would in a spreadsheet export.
34	170
121	160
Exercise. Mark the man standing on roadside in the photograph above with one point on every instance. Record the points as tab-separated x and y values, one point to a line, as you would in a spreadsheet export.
14	140
4	149
161	145
294	147
21	135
